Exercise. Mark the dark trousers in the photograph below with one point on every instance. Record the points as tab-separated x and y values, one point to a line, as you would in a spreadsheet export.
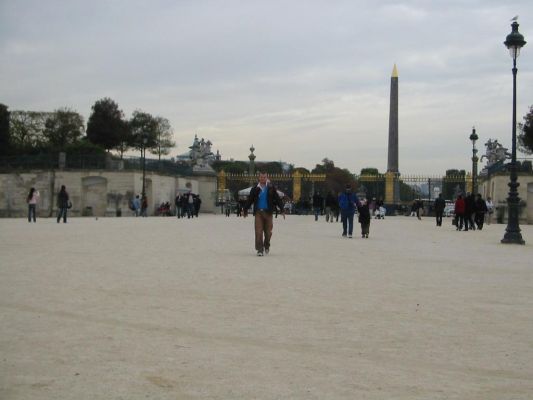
263	230
347	221
469	222
365	228
459	220
62	213
317	213
31	212
190	210
479	219
438	216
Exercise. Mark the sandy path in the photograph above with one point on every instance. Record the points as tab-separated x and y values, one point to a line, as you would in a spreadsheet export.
160	308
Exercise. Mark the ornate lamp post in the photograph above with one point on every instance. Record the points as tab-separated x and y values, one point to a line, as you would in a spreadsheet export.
514	42
474	137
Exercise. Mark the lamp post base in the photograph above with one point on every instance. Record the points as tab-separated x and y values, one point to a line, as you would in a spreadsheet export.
513	238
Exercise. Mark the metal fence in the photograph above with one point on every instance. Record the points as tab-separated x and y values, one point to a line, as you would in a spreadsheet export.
92	161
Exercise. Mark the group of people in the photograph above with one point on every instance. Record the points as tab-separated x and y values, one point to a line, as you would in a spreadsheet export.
470	212
187	204
139	206
329	205
63	204
265	200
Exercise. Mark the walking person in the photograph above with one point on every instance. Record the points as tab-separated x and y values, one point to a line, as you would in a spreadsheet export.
331	204
136	204
470	204
177	204
197	204
480	210
190	205
459	212
62	204
317	204
414	205
418	208
144	207
439	207
348	202
265	199
32	199
364	218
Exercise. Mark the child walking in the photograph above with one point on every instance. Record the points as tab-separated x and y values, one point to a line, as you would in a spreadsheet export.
364	218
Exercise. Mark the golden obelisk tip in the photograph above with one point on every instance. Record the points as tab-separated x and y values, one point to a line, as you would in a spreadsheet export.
394	72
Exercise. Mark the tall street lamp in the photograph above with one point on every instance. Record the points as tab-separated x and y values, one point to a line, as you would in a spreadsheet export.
143	153
475	159
514	42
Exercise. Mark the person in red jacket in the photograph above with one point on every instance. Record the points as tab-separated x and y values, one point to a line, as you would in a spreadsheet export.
460	207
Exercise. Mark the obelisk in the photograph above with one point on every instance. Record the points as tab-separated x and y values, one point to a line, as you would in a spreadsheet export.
392	187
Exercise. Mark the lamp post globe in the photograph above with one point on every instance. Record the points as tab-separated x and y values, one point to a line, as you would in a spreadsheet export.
514	42
473	138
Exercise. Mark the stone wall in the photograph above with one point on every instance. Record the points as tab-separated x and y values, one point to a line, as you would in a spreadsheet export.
98	192
496	187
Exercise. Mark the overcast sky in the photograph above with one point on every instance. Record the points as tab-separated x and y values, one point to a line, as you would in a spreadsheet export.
300	80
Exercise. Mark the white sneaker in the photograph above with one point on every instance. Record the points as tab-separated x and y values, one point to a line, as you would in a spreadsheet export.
259	254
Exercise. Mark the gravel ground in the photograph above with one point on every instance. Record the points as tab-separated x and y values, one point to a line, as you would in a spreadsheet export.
160	308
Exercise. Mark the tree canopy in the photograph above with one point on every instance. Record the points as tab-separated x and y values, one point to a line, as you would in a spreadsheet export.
163	138
525	137
26	130
143	130
106	124
62	128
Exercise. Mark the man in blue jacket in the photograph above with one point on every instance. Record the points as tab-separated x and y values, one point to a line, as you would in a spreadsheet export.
348	202
265	199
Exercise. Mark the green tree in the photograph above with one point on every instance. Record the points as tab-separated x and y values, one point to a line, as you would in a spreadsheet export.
369	171
525	137
4	130
373	187
336	178
106	124
63	128
163	139
125	139
26	130
143	130
272	167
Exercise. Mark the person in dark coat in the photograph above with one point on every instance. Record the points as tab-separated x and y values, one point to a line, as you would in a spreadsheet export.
480	207
364	218
197	201
331	204
470	205
459	212
62	204
439	206
144	207
317	204
177	203
265	199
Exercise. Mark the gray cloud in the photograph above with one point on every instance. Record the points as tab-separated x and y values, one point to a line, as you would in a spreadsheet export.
301	80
